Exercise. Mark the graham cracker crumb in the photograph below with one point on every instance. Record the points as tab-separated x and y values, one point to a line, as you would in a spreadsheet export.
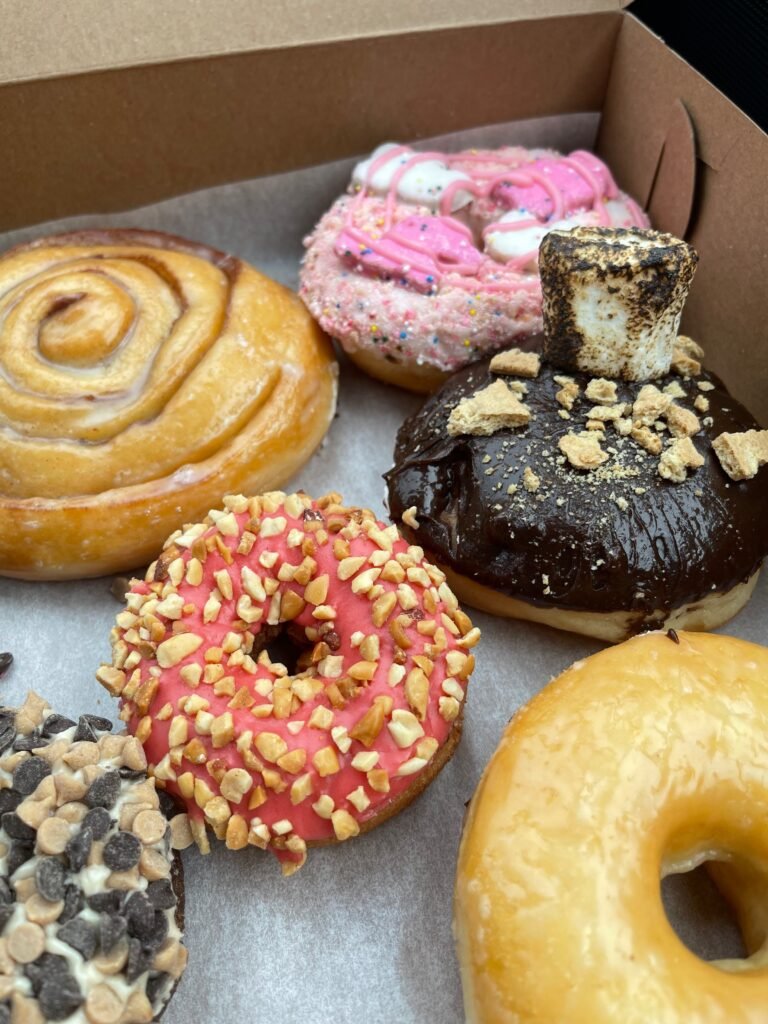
701	403
601	391
705	385
568	393
646	438
583	451
682	422
491	409
689	346
676	459
606	413
563	414
623	426
674	390
595	425
530	481
649	405
741	455
684	364
517	363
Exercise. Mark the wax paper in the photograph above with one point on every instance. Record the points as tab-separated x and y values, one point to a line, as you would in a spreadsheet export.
363	931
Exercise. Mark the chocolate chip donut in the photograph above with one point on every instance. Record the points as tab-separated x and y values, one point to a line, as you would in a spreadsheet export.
91	896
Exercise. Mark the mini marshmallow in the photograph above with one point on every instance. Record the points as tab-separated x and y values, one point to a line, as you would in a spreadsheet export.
423	183
613	298
512	243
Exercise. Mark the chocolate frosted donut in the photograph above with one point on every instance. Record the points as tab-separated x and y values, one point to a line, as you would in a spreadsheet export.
636	541
91	896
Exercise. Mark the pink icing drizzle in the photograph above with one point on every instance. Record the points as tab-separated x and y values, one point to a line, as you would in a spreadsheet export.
422	251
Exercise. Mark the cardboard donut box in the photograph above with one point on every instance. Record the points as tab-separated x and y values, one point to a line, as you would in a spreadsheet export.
109	106
107	111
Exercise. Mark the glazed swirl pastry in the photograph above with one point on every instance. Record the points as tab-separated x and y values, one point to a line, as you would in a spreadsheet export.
645	760
285	759
140	376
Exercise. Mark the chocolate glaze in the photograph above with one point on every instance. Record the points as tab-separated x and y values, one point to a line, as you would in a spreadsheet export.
569	544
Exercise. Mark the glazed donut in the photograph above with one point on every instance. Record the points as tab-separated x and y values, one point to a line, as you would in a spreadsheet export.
430	261
91	896
599	506
279	758
141	375
644	760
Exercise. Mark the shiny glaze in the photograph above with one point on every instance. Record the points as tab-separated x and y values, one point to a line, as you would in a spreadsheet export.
569	545
641	761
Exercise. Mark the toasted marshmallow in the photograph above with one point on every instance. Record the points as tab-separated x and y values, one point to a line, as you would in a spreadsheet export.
422	183
613	298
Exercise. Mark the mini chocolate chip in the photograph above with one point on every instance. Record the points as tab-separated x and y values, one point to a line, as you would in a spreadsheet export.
16	828
6	896
159	931
161	894
47	967
80	935
78	848
18	854
112	928
141	915
168	805
50	878
5	1013
73	903
104	902
104	791
9	800
119	587
312	515
29	742
84	731
156	984
59	998
54	724
672	634
139	960
417	614
7	735
133	774
98	821
98	723
122	851
29	774
6	660
6	910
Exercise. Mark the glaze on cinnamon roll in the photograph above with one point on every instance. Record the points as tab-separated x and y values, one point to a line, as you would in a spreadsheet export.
142	376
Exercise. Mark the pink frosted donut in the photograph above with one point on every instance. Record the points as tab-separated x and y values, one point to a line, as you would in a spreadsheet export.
430	261
279	758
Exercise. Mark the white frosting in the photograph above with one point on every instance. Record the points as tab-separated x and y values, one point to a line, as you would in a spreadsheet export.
509	245
422	184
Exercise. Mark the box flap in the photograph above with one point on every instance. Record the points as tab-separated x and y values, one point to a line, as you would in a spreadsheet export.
44	40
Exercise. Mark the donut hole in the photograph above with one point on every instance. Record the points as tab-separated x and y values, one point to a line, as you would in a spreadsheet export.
285	644
701	917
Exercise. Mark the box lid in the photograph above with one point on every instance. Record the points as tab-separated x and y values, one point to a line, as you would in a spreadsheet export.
41	39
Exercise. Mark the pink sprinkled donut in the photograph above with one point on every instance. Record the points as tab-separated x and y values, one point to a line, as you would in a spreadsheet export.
284	759
431	260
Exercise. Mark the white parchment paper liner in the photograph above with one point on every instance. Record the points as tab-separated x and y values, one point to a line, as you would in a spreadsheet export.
363	932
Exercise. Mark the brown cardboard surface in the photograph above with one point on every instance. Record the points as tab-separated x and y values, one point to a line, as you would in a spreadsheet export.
114	139
727	308
43	38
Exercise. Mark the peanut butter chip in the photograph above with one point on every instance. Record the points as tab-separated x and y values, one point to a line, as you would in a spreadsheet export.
741	455
493	408
517	363
53	835
181	833
153	865
103	1005
26	943
149	826
582	450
